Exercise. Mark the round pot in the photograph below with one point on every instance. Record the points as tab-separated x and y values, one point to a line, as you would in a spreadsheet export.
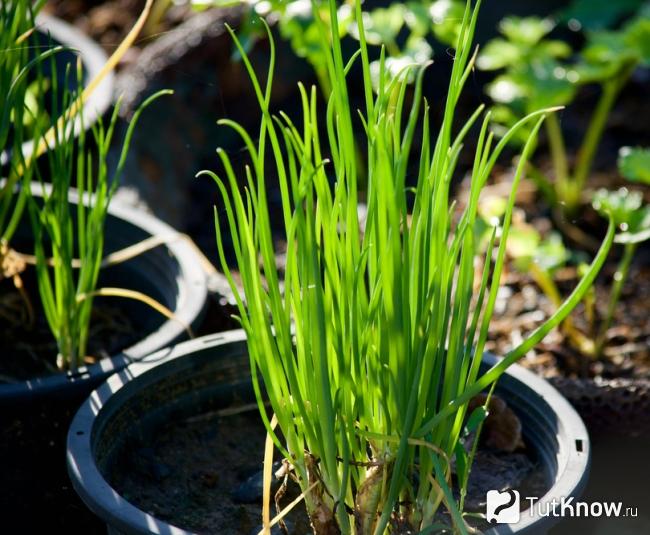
209	372
170	273
93	59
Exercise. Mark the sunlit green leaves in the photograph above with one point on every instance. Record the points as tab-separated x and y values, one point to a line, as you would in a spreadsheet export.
533	75
519	45
22	115
382	25
64	232
608	52
536	85
417	17
498	54
526	31
637	36
298	27
620	204
638	227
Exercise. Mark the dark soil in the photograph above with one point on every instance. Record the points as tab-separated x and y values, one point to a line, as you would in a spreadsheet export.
204	474
194	474
522	307
36	495
28	349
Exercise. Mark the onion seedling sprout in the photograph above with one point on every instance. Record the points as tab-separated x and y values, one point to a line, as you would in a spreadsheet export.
370	354
66	286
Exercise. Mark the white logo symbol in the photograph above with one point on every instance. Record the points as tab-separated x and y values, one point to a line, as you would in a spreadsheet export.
503	507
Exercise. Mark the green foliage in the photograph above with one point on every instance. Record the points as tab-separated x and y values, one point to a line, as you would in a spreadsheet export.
620	204
527	247
371	354
632	216
608	53
525	244
541	72
628	211
68	240
533	75
539	258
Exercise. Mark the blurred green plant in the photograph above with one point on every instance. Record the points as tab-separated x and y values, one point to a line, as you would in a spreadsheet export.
540	257
539	72
590	15
632	217
370	351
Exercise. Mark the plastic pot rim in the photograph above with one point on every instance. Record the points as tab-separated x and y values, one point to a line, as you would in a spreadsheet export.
570	477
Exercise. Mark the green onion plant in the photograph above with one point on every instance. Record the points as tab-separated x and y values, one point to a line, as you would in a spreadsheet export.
69	239
370	354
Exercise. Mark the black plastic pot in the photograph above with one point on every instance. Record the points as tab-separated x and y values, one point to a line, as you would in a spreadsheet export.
170	273
209	372
93	59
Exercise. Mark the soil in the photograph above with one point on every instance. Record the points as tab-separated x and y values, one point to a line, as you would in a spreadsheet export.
36	495
521	306
204	474
28	349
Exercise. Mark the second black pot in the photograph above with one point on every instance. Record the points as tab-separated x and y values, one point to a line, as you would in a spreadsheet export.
171	273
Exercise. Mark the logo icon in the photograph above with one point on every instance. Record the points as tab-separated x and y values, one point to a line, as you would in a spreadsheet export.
503	507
